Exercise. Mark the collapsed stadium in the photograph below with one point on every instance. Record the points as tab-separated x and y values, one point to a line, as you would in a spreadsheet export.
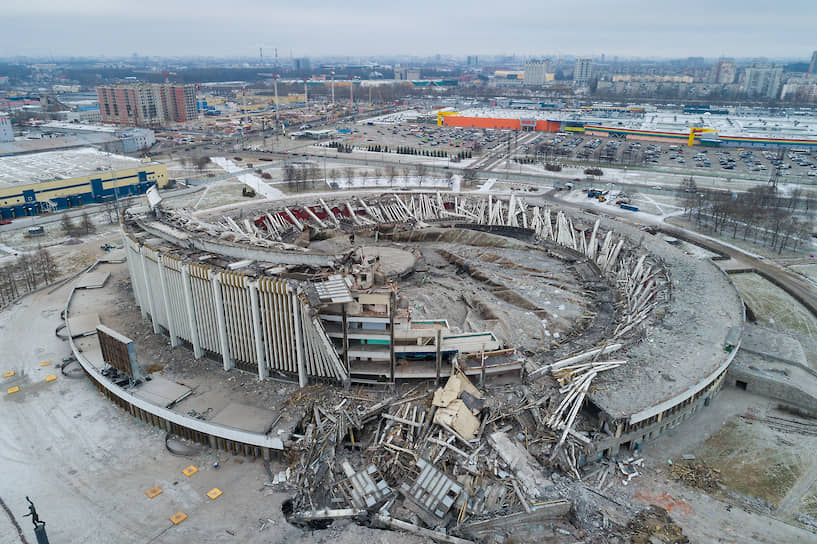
599	334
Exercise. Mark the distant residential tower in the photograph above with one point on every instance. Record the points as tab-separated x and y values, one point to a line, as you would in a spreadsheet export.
147	105
583	71
762	81
536	72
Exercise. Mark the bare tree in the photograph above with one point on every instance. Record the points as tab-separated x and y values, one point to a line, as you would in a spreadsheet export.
26	271
201	162
8	283
391	173
47	265
469	177
420	171
68	225
314	172
86	225
350	176
289	173
109	209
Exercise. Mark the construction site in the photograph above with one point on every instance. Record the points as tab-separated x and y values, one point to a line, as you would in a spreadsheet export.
455	366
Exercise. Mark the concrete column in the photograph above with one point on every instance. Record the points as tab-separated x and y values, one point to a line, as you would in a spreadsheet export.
256	329
218	302
299	344
191	314
133	276
142	258
171	327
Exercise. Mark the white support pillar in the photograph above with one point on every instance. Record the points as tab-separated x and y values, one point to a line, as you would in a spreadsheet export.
299	343
171	326
256	330
191	314
142	258
218	302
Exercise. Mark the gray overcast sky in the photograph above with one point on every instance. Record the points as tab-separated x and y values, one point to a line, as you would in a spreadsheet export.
644	28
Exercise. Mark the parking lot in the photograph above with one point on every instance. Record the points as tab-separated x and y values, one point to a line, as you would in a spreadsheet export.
697	159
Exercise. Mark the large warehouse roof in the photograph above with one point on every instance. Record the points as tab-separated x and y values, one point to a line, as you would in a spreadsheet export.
53	165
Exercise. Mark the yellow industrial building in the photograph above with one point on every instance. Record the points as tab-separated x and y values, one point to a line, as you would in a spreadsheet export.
57	180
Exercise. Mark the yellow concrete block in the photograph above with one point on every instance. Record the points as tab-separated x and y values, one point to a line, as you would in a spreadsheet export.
189	471
214	493
154	491
8	374
45	363
51	378
13	389
178	517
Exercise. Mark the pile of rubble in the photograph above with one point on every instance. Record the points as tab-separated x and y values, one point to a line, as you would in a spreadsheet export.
444	463
653	526
696	475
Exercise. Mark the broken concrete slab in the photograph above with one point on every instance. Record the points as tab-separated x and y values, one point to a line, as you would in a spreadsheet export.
83	324
484	529
161	391
527	470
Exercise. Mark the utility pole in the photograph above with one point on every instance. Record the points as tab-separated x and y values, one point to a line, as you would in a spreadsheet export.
333	88
306	97
351	92
277	106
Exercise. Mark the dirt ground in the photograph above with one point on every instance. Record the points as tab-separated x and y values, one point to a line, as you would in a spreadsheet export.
774	306
756	460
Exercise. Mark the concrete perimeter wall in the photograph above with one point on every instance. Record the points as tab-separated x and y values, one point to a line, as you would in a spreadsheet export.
255	325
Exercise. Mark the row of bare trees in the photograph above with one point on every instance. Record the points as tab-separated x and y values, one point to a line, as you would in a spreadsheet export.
762	215
296	175
26	273
84	227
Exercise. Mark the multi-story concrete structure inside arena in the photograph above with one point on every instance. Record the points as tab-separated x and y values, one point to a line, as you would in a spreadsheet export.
147	105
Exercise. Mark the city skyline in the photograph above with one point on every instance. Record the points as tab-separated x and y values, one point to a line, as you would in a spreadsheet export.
626	29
